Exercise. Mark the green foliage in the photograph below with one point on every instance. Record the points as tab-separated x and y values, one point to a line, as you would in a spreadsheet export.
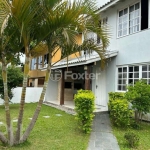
119	112
139	96
135	125
15	77
132	139
116	95
84	107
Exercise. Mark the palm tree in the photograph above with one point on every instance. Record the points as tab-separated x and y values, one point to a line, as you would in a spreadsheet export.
64	22
26	14
4	14
55	23
10	49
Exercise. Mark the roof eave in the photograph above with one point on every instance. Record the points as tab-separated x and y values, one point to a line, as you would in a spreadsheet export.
107	5
88	61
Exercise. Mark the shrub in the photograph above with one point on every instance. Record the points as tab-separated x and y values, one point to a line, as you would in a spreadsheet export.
139	96
116	95
119	112
135	125
132	139
84	107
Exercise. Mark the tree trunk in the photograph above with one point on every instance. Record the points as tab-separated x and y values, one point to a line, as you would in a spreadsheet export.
22	102
6	99
37	111
136	116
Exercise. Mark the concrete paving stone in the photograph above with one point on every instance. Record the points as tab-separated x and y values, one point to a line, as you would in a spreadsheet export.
1	123
46	116
15	120
101	137
59	115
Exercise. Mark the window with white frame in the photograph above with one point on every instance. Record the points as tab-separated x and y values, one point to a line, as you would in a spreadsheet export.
146	73
33	64
122	78
40	62
46	60
102	22
129	20
129	75
134	18
133	74
123	22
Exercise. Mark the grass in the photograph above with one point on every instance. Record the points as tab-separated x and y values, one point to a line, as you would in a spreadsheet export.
54	133
143	133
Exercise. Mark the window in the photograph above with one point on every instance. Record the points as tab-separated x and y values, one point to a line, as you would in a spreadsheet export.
123	22
134	18
40	62
129	75
133	74
46	60
102	22
144	14
146	73
68	85
33	64
129	20
122	78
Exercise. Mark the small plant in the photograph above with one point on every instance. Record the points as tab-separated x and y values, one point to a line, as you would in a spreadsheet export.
119	112
139	96
135	125
132	139
116	95
84	107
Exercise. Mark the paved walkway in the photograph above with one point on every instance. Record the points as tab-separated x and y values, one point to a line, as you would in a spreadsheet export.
102	137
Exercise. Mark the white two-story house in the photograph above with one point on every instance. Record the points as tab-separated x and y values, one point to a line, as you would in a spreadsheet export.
129	49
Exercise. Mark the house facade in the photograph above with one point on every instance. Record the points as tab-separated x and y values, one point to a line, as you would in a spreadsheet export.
128	55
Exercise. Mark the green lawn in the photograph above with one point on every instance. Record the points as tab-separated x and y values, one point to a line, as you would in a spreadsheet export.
54	133
144	135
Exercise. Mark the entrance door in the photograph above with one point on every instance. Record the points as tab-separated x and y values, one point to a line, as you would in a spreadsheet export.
100	88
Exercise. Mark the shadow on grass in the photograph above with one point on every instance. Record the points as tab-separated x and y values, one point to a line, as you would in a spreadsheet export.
25	145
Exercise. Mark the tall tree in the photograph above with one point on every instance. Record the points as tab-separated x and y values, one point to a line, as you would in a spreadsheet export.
26	14
56	24
4	15
65	21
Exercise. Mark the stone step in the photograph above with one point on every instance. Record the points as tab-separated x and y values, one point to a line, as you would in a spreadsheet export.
61	107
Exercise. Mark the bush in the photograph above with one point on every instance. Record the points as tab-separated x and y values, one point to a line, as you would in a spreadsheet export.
119	112
132	139
135	125
84	107
139	96
116	95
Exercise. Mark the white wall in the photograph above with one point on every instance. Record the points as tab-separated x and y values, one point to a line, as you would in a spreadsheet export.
52	91
132	48
32	95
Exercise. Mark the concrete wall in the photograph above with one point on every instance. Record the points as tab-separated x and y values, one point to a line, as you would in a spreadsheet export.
110	76
133	48
52	91
32	95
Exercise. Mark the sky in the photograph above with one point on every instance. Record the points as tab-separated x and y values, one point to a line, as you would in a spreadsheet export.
99	2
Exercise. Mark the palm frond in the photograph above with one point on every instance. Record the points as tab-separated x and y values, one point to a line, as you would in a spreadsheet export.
4	12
